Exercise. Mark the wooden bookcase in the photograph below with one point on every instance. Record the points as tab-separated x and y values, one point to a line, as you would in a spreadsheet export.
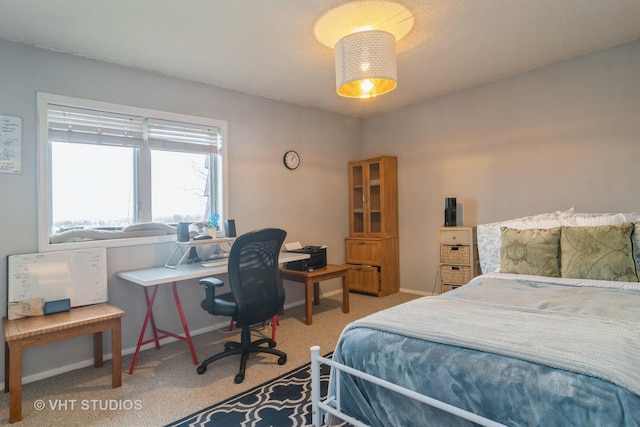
372	247
458	256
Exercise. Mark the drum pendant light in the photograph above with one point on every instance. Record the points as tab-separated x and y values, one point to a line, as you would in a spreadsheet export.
366	64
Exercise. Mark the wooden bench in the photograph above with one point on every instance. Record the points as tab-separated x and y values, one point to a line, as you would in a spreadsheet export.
34	331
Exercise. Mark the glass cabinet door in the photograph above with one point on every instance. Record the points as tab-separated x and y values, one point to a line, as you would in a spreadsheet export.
375	207
357	199
373	197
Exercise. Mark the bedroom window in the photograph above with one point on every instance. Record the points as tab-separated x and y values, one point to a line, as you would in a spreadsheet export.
113	175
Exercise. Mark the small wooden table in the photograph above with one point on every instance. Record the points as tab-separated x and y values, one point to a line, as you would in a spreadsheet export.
312	280
34	331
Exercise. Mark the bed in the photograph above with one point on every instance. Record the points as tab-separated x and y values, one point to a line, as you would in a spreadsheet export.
548	335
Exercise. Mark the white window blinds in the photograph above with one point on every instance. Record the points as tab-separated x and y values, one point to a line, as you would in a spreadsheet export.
67	124
185	137
83	126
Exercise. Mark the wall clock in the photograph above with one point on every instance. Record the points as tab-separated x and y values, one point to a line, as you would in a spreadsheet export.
291	160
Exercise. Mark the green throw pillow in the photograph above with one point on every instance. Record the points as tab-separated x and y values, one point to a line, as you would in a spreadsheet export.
602	252
533	251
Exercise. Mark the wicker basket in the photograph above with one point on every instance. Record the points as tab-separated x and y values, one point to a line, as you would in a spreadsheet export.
454	254
455	274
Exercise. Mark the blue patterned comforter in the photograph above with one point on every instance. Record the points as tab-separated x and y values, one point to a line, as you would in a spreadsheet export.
520	350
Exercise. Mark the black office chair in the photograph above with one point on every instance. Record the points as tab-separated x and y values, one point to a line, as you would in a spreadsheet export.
256	294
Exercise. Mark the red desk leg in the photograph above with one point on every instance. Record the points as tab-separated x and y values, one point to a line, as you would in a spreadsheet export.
165	334
150	314
187	336
147	316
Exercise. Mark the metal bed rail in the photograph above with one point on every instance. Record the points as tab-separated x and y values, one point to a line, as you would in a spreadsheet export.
332	402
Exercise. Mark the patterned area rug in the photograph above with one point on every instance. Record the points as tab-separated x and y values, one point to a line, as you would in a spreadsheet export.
281	402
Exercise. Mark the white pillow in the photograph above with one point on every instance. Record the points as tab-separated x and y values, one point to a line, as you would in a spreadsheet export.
155	226
593	219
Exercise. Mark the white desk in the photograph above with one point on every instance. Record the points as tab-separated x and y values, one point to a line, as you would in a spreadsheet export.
152	277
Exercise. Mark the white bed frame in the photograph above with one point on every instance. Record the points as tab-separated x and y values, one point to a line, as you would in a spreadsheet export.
332	404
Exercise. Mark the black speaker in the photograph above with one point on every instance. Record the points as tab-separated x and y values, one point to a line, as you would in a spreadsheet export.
230	228
183	232
450	212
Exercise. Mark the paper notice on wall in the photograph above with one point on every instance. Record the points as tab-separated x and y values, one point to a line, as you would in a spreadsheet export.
10	144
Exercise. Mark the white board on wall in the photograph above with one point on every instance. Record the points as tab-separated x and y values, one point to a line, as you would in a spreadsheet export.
80	275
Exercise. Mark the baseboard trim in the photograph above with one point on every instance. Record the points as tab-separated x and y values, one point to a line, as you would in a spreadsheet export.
414	292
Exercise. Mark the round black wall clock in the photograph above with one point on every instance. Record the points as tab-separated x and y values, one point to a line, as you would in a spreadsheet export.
291	160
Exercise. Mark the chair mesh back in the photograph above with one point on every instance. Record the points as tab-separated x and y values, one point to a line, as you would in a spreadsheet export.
254	275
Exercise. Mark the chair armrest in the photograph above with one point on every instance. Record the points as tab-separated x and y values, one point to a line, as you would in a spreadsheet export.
212	282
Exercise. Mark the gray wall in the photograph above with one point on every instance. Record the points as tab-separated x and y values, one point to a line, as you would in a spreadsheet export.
310	203
564	136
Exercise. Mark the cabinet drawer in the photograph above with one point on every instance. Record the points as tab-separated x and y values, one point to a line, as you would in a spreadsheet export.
447	288
455	254
455	237
363	251
364	279
455	274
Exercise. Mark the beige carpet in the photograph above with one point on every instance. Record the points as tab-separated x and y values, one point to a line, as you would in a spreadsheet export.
165	385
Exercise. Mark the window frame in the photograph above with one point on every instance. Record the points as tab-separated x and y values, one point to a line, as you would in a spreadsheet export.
45	197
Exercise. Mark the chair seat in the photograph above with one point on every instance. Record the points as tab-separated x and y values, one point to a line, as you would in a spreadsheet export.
223	305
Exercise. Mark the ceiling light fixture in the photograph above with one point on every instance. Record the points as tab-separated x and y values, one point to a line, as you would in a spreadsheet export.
366	64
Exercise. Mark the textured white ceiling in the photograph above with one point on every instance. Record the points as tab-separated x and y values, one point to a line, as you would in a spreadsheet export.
268	47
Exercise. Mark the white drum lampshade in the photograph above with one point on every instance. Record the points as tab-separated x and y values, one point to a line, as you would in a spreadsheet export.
366	64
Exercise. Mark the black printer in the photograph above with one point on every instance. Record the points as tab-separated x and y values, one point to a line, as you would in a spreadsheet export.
317	259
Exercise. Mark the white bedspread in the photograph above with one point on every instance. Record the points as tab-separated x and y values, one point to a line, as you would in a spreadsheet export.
602	341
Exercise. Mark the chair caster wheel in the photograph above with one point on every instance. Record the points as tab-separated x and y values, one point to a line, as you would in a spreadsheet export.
238	379
282	360
202	369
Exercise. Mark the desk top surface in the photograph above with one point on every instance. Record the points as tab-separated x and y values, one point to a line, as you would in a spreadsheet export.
38	325
161	275
329	269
